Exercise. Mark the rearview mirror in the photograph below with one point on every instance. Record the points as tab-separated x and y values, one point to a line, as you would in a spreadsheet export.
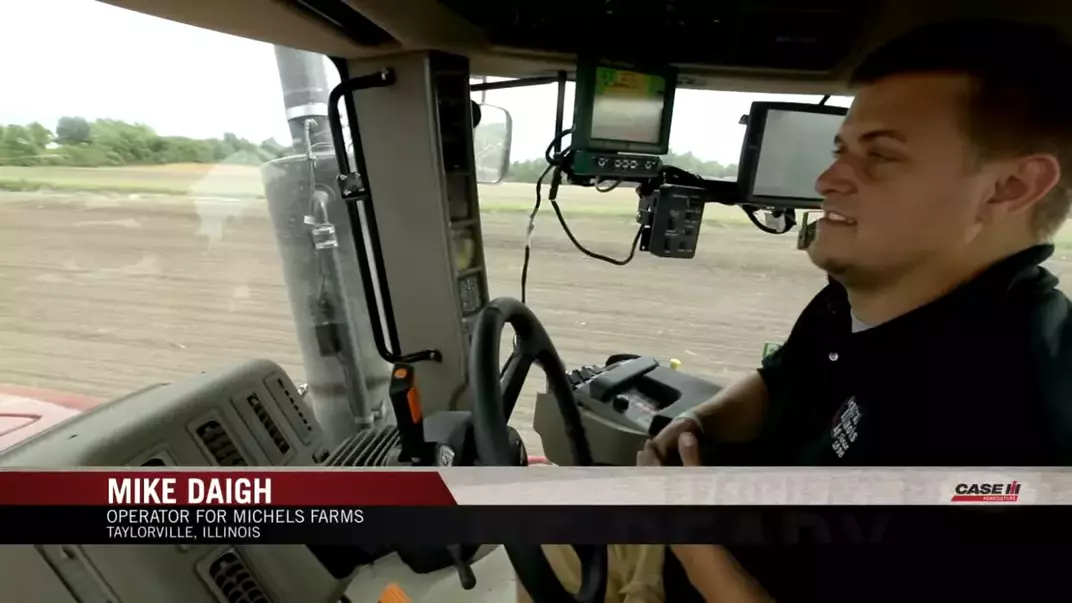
491	144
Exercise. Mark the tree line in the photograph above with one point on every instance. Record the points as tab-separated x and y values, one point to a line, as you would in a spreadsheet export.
79	142
530	170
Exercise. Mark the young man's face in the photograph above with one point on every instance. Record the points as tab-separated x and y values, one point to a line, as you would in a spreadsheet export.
903	189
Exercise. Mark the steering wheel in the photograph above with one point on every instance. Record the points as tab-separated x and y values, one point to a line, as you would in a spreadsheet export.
493	402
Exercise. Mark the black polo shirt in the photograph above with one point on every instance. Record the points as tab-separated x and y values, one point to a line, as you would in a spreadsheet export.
980	377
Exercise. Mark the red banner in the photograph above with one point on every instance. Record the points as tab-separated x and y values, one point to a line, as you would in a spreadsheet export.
224	487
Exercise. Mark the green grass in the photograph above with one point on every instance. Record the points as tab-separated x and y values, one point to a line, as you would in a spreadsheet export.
120	188
222	181
244	182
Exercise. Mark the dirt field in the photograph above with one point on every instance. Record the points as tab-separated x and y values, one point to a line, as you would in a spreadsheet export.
101	294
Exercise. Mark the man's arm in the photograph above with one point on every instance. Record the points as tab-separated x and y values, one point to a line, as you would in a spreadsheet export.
711	569
736	413
717	576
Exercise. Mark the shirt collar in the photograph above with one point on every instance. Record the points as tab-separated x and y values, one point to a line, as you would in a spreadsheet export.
991	286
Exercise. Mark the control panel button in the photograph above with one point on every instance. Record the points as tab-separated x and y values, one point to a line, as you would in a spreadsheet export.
621	402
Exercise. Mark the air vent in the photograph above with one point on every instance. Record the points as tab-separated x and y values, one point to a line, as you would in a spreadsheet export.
158	457
255	404
219	444
291	405
235	581
369	448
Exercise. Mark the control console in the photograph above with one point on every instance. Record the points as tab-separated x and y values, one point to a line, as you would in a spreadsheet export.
623	404
672	216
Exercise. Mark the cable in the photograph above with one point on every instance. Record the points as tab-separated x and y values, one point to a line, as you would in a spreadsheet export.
528	232
553	162
592	254
613	185
557	160
528	253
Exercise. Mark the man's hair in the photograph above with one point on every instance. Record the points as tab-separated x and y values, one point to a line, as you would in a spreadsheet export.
1018	103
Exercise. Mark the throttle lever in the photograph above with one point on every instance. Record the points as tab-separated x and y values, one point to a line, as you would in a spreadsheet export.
406	402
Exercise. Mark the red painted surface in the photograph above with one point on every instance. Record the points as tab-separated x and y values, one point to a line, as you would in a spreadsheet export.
25	411
73	401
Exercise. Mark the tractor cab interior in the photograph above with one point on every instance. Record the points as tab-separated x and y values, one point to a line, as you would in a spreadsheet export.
401	343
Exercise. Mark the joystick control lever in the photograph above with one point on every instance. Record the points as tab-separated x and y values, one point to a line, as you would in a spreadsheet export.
406	402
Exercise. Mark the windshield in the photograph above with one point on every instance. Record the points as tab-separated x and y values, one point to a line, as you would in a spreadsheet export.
136	244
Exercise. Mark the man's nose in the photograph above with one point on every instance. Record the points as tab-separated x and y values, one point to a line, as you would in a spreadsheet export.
835	180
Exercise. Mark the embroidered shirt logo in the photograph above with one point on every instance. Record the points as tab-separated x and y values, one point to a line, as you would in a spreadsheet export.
844	432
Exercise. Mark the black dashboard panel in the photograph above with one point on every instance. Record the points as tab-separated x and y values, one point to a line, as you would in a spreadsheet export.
802	35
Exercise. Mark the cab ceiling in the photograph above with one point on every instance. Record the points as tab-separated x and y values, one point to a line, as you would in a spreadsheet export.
806	46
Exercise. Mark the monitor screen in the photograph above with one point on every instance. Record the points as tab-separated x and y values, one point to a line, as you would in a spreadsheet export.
794	151
628	106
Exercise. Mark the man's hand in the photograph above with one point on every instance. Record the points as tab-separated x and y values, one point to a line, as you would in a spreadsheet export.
671	441
733	415
711	569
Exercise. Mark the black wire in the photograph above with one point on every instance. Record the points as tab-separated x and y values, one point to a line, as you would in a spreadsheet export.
613	185
592	254
528	234
528	254
552	163
553	160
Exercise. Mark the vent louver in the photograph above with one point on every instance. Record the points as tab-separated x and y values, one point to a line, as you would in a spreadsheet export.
369	448
235	581
266	420
300	421
219	444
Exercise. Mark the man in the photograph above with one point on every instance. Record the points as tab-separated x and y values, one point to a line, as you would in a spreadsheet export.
939	341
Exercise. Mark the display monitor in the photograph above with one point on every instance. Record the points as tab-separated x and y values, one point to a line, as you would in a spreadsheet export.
786	147
623	108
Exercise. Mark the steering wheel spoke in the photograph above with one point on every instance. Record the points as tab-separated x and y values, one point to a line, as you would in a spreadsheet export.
517	370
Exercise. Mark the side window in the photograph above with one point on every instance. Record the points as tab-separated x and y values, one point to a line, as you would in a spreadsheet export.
137	245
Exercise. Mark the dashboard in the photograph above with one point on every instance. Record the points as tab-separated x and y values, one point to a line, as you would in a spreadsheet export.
244	416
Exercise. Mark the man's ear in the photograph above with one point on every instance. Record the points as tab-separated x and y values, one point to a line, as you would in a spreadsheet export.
1021	183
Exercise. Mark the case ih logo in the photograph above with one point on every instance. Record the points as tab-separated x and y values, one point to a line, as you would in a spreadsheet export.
987	492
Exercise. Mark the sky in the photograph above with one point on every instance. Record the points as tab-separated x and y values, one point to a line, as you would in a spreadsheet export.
87	58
